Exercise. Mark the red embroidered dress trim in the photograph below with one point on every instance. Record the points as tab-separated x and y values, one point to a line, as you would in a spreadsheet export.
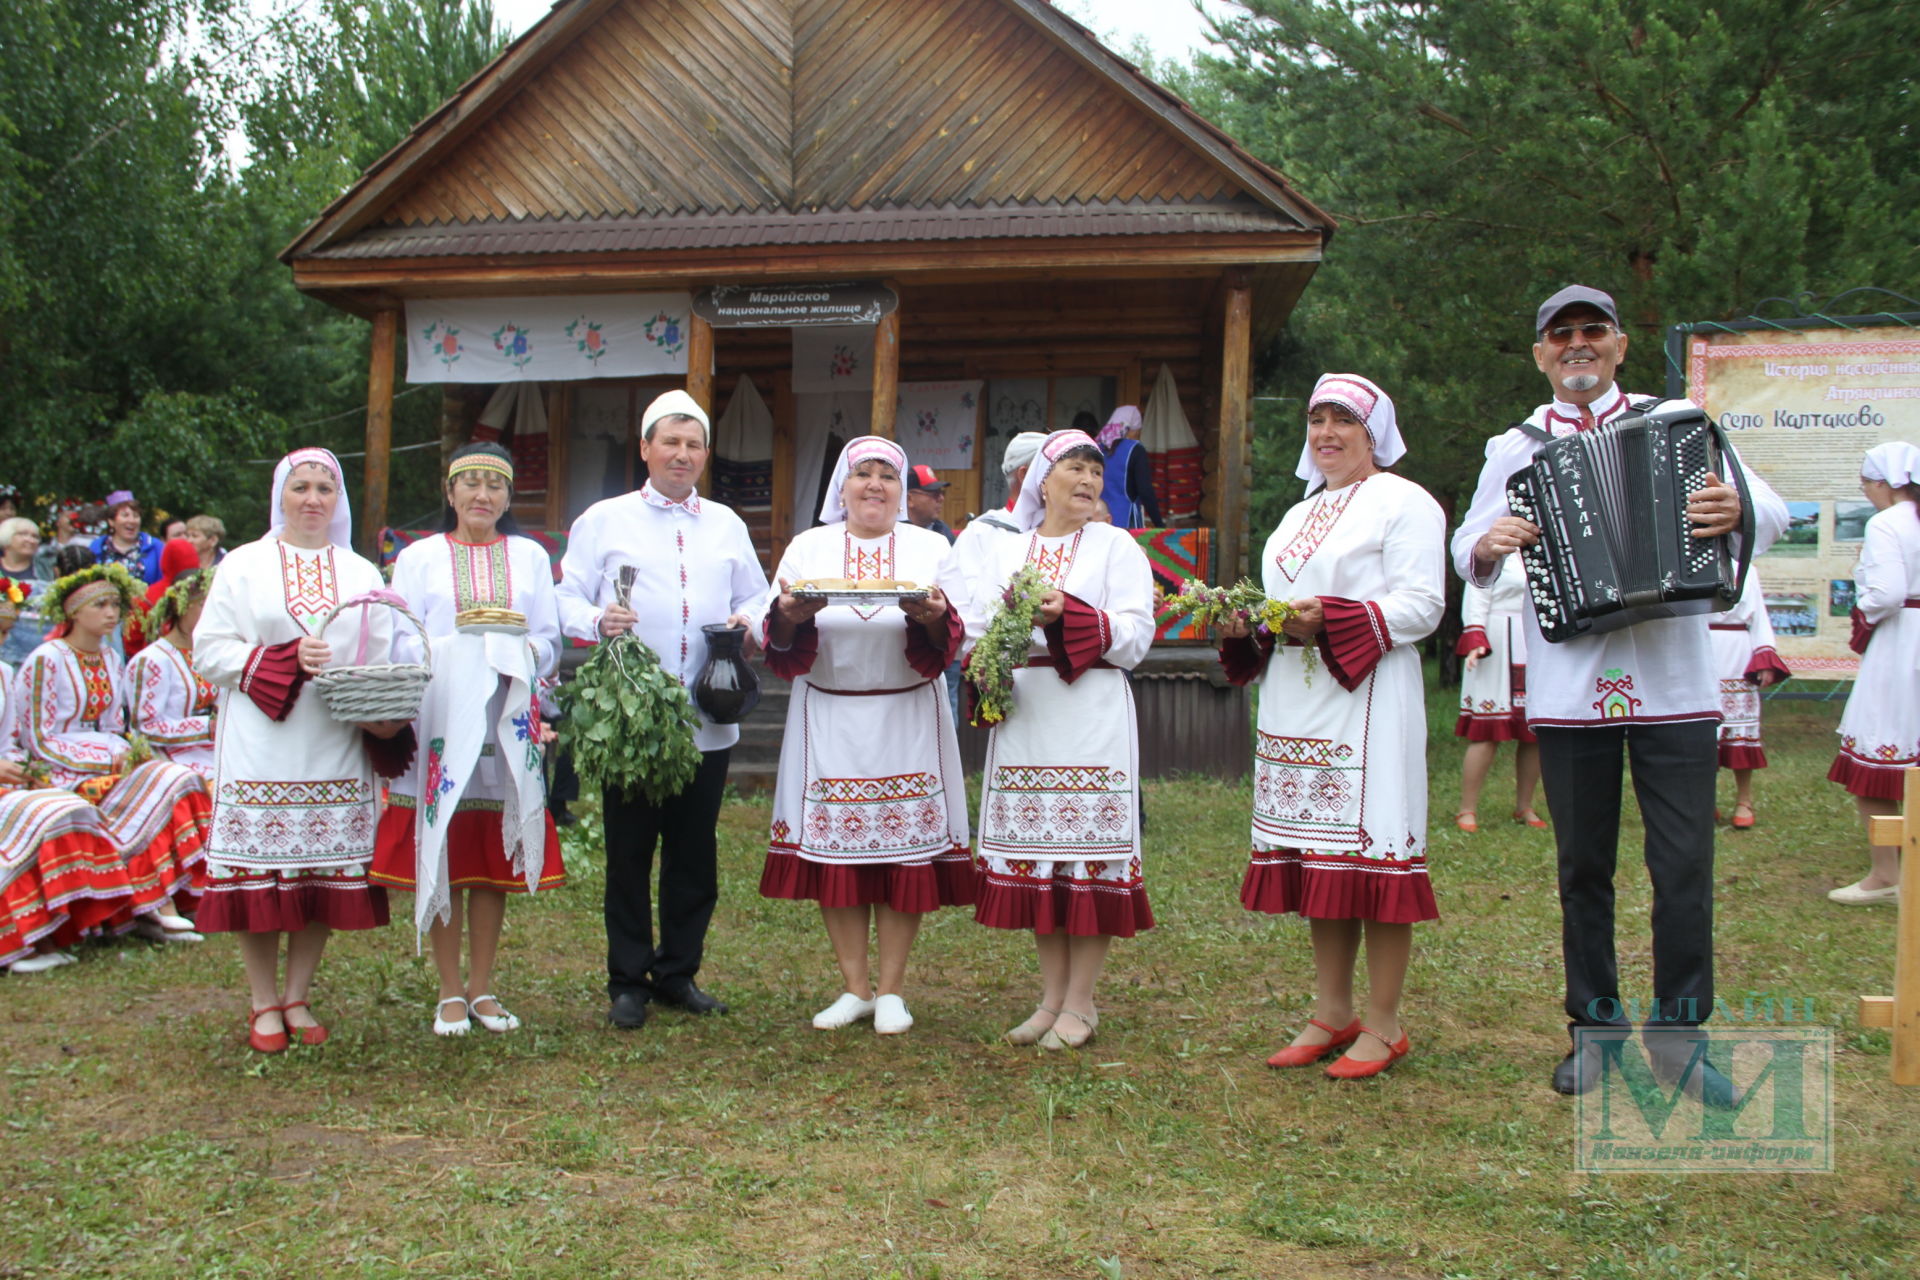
1054	563
482	574
858	562
1326	513
97	685
308	583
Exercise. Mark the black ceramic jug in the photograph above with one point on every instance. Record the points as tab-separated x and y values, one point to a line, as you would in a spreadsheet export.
726	688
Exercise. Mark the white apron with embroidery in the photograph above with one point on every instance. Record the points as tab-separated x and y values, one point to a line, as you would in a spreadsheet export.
1062	776
1346	772
1486	692
873	778
476	754
297	795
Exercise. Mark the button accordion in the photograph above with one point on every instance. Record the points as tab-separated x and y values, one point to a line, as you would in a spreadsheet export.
1615	545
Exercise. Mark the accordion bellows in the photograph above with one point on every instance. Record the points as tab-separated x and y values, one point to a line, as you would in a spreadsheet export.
1615	545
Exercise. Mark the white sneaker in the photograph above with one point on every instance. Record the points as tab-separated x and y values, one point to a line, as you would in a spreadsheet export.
890	1016
1854	896
41	961
844	1012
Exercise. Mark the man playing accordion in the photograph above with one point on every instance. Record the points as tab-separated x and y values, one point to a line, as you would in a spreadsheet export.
1649	688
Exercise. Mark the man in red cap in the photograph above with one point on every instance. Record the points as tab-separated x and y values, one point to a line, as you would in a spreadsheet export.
925	493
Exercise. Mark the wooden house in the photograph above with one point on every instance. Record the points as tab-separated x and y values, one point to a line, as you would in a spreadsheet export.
892	215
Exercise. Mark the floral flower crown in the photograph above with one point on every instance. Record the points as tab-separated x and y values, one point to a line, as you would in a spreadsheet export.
54	609
13	592
168	609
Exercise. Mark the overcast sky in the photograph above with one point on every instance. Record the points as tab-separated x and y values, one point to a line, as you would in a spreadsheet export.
1172	29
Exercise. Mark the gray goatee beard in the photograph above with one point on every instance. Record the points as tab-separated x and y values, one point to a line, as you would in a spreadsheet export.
1583	382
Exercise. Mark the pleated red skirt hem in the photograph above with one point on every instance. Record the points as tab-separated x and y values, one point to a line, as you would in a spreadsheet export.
267	902
1874	782
1281	882
1742	757
173	865
1488	729
913	888
476	853
1077	908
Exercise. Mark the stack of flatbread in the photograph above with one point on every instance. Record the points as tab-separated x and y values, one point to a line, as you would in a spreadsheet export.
489	618
855	584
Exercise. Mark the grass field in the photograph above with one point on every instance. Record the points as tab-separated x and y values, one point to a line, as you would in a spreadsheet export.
143	1139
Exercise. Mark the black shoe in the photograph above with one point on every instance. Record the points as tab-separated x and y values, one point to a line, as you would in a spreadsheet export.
688	999
564	818
1671	1052
628	1011
1579	1071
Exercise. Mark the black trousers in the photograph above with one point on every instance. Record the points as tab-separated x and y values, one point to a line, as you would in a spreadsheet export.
565	787
1673	767
683	828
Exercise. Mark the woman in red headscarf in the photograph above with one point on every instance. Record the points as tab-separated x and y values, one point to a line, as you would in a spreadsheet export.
178	556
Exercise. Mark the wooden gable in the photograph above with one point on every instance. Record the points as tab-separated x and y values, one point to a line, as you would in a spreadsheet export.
623	108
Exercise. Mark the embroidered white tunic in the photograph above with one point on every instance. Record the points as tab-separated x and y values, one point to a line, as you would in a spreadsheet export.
1062	776
297	795
1647	673
30	817
697	566
171	706
1344	772
1881	725
973	550
1486	692
475	752
1742	640
874	777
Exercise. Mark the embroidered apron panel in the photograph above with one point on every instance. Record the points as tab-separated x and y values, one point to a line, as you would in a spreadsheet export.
1308	793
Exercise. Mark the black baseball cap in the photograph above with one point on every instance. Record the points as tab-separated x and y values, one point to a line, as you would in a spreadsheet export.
1567	297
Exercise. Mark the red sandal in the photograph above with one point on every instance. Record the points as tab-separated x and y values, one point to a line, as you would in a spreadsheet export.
1305	1055
1347	1069
315	1034
266	1041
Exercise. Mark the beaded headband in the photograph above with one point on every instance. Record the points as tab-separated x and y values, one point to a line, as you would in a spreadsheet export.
481	462
90	593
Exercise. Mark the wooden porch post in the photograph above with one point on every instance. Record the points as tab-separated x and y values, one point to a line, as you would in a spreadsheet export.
886	373
379	430
784	426
700	386
1235	476
559	450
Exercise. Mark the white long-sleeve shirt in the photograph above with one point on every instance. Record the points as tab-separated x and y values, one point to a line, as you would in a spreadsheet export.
1650	672
697	567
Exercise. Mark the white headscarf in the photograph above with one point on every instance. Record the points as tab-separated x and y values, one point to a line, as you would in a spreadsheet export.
1020	451
1365	401
670	403
1896	463
860	449
1030	510
340	532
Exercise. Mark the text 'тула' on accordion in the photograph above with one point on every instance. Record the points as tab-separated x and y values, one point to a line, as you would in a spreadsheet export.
1615	545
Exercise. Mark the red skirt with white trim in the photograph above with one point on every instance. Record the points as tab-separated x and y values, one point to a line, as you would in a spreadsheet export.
243	900
476	853
1082	899
1870	781
914	888
1323	885
1740	756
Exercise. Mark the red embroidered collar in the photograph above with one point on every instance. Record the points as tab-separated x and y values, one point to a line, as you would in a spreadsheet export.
654	498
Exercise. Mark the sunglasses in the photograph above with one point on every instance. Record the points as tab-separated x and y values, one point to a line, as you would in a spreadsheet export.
1561	335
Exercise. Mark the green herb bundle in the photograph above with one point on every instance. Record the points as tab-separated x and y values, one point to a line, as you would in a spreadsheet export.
1210	606
1003	647
630	723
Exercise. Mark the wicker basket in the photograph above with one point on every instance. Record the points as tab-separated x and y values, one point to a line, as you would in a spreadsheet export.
366	692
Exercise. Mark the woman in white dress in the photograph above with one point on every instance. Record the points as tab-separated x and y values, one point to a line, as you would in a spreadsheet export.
1745	662
1880	729
870	811
168	702
73	724
1060	796
1340	763
60	876
295	806
1493	694
483	830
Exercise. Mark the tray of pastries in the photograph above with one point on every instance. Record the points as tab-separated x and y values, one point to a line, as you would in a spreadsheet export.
858	591
509	621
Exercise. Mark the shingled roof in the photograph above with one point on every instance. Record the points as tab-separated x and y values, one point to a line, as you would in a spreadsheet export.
648	125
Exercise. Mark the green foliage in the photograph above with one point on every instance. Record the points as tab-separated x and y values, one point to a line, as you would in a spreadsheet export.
630	724
1004	645
1690	159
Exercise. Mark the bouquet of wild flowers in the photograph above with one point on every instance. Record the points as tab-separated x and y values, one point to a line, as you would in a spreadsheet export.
1003	647
1211	606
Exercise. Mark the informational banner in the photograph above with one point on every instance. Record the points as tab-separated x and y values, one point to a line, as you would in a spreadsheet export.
754	306
1802	401
547	339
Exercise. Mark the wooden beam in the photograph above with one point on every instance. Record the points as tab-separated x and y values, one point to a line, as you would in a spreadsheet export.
1235	476
373	503
784	428
700	386
886	374
559	450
